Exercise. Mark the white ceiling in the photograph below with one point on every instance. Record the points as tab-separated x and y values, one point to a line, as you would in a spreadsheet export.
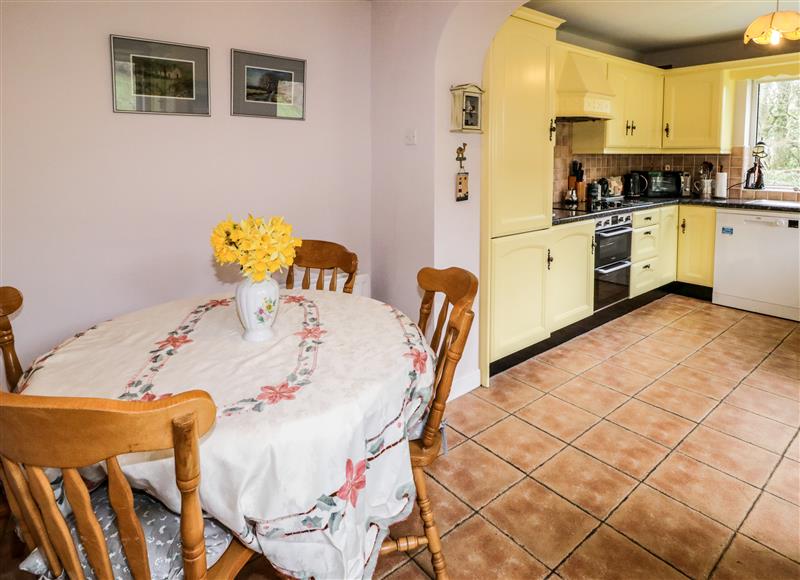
650	25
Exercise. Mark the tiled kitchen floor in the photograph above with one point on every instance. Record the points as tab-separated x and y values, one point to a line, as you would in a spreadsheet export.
663	444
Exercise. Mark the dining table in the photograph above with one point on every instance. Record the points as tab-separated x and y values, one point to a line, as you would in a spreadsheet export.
308	461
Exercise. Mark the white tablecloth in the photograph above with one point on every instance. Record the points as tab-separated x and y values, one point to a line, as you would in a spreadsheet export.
308	461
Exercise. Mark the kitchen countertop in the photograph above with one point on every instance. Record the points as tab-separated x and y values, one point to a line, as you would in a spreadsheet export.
563	216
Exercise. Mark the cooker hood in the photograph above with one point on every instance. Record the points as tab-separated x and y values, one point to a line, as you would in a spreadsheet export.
584	93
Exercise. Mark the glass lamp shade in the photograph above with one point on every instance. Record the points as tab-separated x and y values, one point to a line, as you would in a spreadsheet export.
770	28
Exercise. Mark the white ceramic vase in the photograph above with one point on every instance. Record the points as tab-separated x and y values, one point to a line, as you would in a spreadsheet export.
257	305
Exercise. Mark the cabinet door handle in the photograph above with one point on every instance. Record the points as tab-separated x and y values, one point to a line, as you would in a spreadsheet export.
646	267
627	126
648	233
666	130
593	245
648	218
552	128
550	259
633	127
683	226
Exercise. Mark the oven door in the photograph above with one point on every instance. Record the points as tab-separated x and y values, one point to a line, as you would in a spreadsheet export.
612	245
611	284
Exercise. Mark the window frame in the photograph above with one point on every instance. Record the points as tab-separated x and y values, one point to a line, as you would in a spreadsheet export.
753	121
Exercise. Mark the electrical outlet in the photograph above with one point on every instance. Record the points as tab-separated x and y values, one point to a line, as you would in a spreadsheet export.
411	137
667	167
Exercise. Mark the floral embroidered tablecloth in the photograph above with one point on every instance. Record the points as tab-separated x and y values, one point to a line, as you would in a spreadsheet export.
308	461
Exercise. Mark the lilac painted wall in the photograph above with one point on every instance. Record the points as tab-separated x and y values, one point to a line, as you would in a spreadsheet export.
104	213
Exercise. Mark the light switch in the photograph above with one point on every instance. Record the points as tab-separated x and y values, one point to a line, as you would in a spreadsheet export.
411	137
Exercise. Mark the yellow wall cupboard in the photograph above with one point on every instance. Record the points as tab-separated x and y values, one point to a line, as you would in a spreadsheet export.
517	311
667	244
696	231
636	125
520	104
698	110
569	293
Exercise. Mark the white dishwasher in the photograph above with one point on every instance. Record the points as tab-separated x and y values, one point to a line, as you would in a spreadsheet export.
757	262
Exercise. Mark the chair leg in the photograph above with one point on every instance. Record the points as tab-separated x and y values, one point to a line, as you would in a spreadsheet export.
431	532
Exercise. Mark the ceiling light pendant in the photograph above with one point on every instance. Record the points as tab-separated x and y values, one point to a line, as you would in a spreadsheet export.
770	28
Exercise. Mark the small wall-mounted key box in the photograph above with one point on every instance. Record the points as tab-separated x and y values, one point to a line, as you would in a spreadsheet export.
462	186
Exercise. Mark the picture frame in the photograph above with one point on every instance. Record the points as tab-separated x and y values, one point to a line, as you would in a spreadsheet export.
157	77
267	85
467	110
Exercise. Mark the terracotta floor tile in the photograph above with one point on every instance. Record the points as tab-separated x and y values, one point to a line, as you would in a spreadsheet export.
508	393
644	364
700	323
473	474
749	358
682	300
638	323
700	382
742	338
585	481
787	351
766	404
716	363
793	452
453	439
539	375
476	549
627	325
780	365
722	313
568	359
745	559
665	313
390	563
704	488
733	344
590	396
547	525
669	397
685	538
652	422
470	414
558	417
775	384
775	523
520	444
733	456
680	337
662	349
608	555
448	511
620	339
753	428
409	571
785	482
627	451
618	378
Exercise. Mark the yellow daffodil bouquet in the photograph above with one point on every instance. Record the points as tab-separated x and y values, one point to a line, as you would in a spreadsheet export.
260	248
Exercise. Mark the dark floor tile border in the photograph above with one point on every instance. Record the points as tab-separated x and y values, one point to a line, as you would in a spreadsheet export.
597	319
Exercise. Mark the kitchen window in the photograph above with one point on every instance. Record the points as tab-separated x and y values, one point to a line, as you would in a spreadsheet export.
775	120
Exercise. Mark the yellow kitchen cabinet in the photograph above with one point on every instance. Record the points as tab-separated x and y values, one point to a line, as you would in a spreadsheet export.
637	104
570	274
519	113
667	244
517	310
698	110
644	276
644	243
696	229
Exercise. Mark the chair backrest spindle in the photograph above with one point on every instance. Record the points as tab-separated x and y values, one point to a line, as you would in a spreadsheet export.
10	302
321	255
42	432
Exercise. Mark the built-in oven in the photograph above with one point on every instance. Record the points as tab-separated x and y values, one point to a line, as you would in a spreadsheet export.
612	259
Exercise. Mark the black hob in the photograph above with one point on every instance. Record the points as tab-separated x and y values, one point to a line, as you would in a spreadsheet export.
602	205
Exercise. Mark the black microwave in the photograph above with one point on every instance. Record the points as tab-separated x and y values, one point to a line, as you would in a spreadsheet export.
659	183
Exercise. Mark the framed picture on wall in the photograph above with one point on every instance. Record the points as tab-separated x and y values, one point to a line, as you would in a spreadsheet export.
150	76
265	85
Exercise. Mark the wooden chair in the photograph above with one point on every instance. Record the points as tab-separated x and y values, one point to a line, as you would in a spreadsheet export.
10	301
318	254
70	433
449	337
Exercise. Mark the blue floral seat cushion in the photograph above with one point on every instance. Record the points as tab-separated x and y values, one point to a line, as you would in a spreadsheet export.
161	529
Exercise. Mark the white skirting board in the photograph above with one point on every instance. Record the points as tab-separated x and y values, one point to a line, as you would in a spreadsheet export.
464	384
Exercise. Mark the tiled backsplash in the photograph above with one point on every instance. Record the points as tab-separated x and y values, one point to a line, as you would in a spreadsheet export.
597	166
